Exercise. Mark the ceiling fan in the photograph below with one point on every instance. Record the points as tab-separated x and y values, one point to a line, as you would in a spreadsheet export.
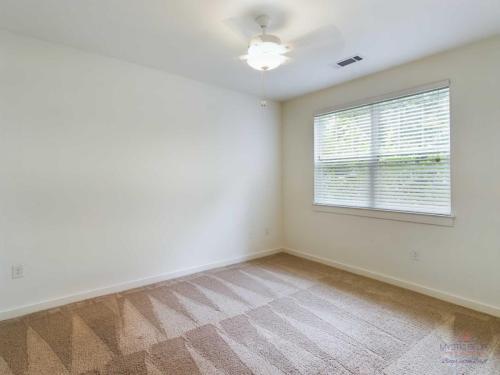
265	51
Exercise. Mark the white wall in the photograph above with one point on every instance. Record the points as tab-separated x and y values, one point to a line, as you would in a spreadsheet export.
111	172
463	260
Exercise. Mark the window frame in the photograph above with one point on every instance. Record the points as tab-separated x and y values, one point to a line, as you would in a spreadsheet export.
380	213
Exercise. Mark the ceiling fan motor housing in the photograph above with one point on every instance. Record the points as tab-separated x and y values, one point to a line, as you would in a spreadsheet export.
265	38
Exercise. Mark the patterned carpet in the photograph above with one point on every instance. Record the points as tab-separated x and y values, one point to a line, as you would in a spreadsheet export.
275	315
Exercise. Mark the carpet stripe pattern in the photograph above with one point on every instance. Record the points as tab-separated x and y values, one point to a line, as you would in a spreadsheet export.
275	315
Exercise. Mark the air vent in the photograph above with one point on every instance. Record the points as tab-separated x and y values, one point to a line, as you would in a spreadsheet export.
349	61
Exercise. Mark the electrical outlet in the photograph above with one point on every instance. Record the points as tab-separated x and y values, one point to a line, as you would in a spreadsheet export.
415	256
17	271
267	232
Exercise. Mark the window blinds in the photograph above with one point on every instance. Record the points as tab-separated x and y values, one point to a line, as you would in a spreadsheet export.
390	155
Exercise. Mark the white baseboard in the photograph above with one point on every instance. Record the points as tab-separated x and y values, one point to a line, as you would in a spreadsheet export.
445	296
80	296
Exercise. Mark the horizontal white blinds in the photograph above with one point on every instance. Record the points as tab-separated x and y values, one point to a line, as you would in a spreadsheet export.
390	155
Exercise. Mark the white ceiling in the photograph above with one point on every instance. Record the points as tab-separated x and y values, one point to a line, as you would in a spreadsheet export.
197	38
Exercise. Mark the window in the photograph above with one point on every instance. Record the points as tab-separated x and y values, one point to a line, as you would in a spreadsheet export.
389	155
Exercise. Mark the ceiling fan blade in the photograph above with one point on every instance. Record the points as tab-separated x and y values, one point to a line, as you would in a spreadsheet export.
244	27
323	37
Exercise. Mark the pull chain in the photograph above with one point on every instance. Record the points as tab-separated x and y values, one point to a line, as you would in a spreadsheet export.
263	101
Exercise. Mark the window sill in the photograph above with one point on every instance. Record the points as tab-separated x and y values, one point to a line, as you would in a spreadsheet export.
429	219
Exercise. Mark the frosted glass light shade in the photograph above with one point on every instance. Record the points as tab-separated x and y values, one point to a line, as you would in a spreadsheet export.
265	61
266	53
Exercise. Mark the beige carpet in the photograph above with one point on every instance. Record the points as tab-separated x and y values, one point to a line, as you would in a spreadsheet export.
276	315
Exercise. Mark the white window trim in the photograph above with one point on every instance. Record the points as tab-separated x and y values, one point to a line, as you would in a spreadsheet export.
385	97
413	217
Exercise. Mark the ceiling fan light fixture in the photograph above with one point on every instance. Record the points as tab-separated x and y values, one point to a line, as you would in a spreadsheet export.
266	53
265	61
